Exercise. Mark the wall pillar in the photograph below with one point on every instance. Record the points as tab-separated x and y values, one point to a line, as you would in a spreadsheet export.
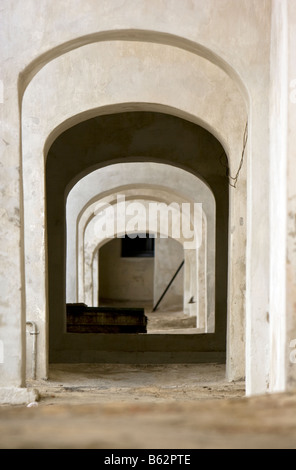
187	291
12	312
95	279
278	195
258	261
235	367
202	280
291	204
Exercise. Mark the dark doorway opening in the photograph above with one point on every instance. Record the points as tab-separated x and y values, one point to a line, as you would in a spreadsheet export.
138	245
146	137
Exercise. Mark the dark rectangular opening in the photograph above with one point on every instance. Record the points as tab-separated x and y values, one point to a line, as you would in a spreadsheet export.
137	246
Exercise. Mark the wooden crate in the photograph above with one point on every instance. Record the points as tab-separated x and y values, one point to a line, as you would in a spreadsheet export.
106	320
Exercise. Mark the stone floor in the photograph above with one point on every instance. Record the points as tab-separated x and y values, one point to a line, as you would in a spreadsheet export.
190	406
164	321
171	322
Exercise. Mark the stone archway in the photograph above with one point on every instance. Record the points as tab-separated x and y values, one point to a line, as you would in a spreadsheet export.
168	178
231	99
198	267
188	138
93	239
231	44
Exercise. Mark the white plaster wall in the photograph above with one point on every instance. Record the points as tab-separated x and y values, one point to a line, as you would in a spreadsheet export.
168	256
288	344
278	198
124	279
129	82
95	278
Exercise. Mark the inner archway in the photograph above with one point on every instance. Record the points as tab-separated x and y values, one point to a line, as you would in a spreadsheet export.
174	186
141	271
128	137
126	271
211	99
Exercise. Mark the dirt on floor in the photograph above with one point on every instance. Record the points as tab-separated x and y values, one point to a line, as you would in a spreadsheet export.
185	406
105	383
171	322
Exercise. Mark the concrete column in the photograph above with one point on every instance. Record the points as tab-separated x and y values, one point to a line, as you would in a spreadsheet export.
12	294
194	290
290	345
235	366
202	279
12	313
283	198
258	229
187	290
278	196
95	279
35	243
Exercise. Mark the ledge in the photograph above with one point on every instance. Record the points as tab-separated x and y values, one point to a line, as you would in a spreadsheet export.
17	396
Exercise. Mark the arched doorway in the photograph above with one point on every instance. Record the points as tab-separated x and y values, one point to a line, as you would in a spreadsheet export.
144	137
89	195
227	98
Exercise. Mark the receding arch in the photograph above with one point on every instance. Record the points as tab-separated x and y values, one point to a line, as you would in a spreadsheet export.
177	182
183	131
149	36
227	94
194	187
133	107
141	281
51	123
93	240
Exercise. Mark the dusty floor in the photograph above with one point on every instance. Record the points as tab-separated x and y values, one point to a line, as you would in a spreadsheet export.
147	407
120	383
168	321
114	406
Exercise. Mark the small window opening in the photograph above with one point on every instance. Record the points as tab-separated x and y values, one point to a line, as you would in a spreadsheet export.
137	246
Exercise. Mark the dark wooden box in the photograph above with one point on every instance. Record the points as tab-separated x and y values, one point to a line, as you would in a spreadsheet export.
84	319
